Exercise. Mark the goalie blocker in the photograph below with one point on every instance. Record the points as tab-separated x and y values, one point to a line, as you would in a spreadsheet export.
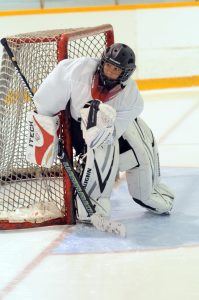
97	124
42	141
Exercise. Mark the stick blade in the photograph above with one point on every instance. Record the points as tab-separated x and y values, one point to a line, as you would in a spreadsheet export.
105	224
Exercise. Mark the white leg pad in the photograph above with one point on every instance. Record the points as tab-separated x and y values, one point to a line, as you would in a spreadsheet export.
98	178
144	180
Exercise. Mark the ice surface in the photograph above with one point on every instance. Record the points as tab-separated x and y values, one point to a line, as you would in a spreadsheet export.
145	230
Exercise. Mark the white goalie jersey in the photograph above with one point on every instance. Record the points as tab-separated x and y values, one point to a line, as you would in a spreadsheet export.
71	80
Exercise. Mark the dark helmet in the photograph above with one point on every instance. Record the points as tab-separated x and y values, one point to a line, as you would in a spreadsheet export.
121	56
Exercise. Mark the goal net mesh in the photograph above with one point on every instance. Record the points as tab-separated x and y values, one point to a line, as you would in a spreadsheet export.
27	191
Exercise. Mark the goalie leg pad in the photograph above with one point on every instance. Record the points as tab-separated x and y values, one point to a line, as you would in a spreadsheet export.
98	178
144	179
127	158
42	143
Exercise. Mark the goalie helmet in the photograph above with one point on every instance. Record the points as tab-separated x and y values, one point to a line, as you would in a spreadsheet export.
121	56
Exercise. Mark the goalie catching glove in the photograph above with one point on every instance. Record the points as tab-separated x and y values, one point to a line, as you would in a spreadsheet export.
97	124
42	144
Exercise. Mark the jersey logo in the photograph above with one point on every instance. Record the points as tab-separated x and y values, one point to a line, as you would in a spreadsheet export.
41	150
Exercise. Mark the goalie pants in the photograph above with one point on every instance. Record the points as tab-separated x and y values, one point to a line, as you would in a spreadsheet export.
136	154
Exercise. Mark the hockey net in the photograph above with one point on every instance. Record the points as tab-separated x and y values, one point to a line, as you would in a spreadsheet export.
30	195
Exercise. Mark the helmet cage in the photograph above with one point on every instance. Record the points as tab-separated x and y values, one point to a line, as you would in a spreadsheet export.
123	59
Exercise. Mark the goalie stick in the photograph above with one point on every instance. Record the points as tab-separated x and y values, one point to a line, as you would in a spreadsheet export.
98	221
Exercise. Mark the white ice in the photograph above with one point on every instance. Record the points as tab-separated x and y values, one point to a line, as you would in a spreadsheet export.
159	258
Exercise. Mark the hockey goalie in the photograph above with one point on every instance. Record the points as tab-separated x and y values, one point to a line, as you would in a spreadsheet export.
108	134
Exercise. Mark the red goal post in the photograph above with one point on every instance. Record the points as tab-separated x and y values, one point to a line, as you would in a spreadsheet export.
31	196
